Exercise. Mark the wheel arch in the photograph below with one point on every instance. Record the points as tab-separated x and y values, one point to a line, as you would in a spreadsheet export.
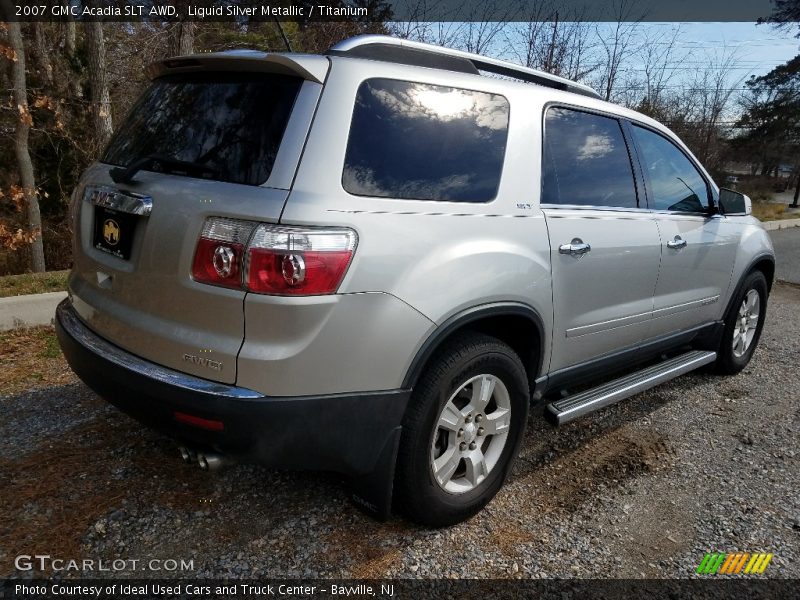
516	324
764	263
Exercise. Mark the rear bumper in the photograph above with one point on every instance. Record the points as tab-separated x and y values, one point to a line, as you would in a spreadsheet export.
345	433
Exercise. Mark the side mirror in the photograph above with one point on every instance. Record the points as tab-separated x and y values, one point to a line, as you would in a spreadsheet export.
734	203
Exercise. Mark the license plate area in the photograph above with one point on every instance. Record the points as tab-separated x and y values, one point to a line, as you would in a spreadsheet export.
113	231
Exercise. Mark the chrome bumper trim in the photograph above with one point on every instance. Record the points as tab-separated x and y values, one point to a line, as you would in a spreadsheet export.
72	324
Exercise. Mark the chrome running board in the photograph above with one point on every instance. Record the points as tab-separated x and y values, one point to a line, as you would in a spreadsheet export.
569	408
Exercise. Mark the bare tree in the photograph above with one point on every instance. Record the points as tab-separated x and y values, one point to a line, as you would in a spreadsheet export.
420	25
472	27
659	62
617	43
98	81
22	134
713	89
552	39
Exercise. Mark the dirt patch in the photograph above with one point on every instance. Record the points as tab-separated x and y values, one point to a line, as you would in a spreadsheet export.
509	538
31	358
370	554
606	461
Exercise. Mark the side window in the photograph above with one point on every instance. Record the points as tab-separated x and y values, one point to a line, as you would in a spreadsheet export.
675	182
425	142
586	161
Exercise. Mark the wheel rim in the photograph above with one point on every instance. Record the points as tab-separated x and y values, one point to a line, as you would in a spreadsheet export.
470	434
746	322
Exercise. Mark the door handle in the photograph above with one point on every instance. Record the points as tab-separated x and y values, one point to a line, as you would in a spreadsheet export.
677	243
575	248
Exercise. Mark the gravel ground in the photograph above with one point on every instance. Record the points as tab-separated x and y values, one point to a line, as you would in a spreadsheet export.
642	489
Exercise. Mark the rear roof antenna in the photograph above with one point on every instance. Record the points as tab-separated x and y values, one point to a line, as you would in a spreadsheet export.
283	35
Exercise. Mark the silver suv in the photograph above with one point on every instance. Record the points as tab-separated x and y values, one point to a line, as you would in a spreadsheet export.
374	261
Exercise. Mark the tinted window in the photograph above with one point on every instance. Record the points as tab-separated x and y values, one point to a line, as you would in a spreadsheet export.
586	161
231	124
425	142
675	183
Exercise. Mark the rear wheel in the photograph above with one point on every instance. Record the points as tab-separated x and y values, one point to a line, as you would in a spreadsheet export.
462	430
743	325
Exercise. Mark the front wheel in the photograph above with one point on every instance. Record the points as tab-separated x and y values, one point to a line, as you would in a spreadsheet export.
743	325
462	431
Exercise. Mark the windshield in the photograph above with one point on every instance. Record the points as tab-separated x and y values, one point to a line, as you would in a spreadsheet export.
231	123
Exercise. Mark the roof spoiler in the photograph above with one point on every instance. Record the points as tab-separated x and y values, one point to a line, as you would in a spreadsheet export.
307	66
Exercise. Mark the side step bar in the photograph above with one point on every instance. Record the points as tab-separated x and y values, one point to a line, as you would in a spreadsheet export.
572	407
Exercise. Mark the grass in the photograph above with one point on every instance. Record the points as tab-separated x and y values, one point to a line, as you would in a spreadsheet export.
31	358
33	283
771	211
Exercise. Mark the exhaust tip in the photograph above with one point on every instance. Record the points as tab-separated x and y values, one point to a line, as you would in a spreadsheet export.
188	456
211	462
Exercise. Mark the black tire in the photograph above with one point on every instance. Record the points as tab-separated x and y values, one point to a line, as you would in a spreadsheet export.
419	495
727	361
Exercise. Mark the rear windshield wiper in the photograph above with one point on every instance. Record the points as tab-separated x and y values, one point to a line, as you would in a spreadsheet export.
161	163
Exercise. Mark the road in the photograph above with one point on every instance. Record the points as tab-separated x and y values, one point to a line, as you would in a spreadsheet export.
787	254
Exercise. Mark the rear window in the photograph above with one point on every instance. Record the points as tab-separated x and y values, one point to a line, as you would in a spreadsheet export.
425	142
229	125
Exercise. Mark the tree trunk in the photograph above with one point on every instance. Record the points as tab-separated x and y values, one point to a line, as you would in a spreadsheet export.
41	52
98	80
181	38
70	35
22	130
796	192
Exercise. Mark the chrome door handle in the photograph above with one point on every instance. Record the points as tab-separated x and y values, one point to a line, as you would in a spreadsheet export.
677	243
576	248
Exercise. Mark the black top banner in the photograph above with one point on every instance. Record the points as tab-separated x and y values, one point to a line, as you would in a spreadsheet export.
375	11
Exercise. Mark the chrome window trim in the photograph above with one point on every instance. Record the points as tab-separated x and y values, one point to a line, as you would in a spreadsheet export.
551	206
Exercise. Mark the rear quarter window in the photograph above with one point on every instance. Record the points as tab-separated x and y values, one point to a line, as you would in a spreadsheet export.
425	142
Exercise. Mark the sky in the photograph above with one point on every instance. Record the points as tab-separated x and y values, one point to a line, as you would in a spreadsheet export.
759	48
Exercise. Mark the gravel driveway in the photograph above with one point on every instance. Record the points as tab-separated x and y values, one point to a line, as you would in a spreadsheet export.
642	489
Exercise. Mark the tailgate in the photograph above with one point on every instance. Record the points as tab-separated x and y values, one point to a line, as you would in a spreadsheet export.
223	147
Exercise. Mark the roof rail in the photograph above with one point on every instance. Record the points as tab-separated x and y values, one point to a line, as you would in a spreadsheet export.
390	49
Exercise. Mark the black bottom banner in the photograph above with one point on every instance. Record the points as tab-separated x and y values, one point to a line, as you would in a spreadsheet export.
561	589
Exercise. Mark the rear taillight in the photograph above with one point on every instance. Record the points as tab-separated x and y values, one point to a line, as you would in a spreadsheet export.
220	252
272	259
294	261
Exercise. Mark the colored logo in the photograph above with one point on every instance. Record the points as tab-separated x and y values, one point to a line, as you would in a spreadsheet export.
734	563
111	232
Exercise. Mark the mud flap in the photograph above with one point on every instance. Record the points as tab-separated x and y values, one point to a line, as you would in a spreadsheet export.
372	492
